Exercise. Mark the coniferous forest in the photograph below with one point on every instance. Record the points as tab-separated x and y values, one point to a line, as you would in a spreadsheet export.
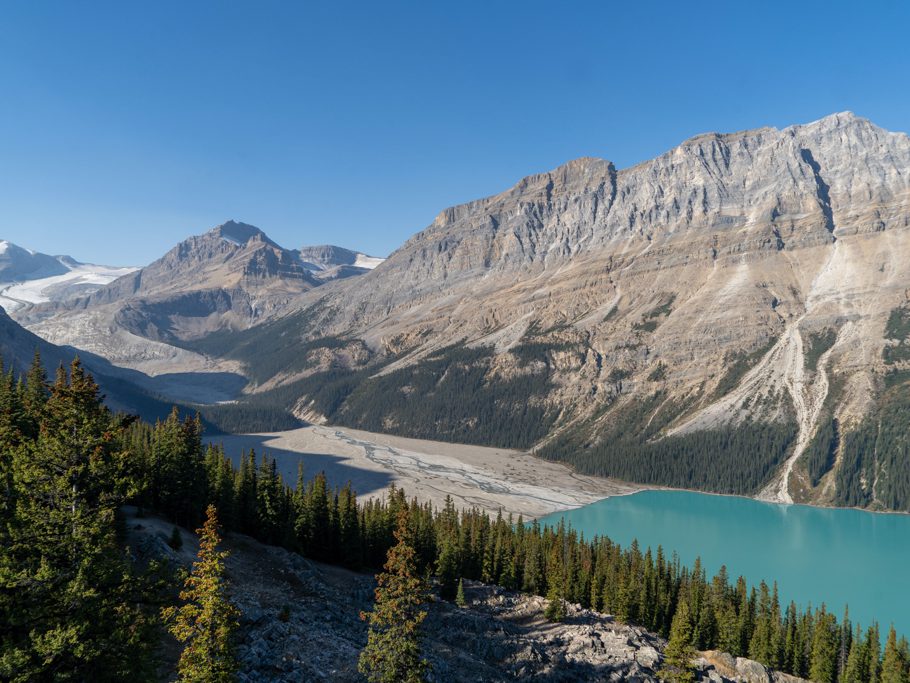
74	607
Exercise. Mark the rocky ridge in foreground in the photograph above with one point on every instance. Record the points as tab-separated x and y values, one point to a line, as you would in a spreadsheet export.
300	623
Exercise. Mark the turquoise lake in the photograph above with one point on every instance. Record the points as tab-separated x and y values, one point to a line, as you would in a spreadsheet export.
839	557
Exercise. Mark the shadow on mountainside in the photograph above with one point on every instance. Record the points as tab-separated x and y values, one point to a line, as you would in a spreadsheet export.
338	469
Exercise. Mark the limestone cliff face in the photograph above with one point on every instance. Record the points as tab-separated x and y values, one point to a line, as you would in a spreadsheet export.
709	273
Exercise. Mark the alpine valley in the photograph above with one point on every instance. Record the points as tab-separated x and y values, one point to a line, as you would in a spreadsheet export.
732	316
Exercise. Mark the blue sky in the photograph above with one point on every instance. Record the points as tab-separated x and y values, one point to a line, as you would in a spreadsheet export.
125	127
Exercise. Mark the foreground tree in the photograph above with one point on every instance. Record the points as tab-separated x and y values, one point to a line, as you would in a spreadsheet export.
69	601
680	652
824	649
206	623
459	595
896	660
392	653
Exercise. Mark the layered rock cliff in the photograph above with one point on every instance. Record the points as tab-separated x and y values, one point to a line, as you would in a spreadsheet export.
738	279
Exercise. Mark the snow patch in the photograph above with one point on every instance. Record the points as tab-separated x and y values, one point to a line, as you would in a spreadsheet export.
368	262
81	279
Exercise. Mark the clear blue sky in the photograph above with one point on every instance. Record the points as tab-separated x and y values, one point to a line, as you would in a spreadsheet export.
125	127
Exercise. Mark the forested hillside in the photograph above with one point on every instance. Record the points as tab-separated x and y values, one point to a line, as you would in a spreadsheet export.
73	606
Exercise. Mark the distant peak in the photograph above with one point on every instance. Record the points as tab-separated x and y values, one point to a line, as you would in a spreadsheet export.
583	164
838	120
325	256
238	233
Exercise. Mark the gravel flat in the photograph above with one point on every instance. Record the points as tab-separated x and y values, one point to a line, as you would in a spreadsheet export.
489	478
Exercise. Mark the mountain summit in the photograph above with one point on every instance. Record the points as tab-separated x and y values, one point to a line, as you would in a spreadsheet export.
227	278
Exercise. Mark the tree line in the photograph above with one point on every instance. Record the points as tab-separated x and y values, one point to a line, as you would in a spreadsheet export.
74	607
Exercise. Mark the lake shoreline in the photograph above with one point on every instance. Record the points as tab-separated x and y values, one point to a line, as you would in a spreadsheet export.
815	554
515	481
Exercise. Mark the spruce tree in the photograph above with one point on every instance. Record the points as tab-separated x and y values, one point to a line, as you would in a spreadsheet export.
894	661
823	663
678	656
206	622
459	594
556	577
447	569
349	540
393	650
856	670
34	394
556	603
68	607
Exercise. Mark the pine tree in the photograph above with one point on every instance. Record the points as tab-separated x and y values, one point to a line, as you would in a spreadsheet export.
318	513
459	595
177	454
447	569
349	539
34	395
556	603
873	654
556	578
67	604
760	647
854	671
823	664
679	654
207	621
894	661
393	650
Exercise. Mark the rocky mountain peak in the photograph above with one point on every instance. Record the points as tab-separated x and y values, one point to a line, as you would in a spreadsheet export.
18	264
240	234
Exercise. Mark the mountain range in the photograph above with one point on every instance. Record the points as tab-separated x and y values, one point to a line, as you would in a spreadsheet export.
732	316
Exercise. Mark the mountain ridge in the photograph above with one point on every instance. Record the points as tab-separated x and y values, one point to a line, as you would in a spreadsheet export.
228	278
702	276
735	294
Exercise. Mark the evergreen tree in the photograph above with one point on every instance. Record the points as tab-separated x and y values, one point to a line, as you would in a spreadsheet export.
894	661
679	654
179	486
392	653
459	595
556	601
68	603
447	569
823	666
856	669
349	540
207	621
34	393
872	651
760	647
